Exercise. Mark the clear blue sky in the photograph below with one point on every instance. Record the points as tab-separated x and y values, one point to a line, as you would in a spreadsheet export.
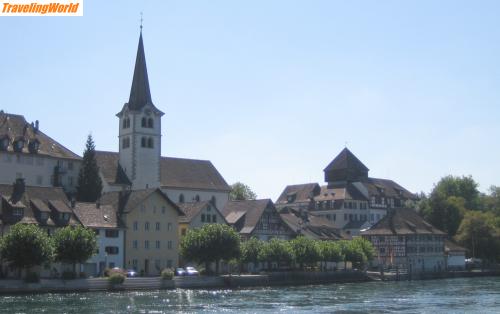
270	91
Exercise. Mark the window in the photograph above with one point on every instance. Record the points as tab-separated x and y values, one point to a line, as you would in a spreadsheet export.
146	244
214	218
209	218
111	233
65	216
157	226
334	217
143	123
126	142
150	142
18	212
181	198
157	244
70	165
111	250
163	209
382	250
146	226
169	226
134	244
44	216
345	217
150	123
136	225
143	142
169	244
202	217
70	181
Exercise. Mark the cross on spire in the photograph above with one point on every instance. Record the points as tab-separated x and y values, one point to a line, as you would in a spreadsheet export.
141	22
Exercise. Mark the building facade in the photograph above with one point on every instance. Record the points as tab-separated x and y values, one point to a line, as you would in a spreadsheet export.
257	218
28	153
351	199
151	221
406	240
198	214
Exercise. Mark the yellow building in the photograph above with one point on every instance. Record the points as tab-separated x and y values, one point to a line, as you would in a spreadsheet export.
151	222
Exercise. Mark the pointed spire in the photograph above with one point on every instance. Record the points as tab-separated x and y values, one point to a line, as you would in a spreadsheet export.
140	94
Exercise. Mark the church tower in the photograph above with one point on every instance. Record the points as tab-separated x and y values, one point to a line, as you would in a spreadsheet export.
140	130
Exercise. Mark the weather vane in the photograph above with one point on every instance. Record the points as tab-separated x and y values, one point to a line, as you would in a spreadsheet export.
141	21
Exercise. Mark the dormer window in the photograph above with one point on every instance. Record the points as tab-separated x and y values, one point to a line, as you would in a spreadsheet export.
18	145
64	216
18	212
44	216
33	146
4	143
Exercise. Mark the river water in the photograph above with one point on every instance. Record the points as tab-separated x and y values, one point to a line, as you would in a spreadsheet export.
461	295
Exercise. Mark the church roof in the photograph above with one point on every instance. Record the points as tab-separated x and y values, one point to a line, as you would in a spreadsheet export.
345	160
178	173
140	94
13	127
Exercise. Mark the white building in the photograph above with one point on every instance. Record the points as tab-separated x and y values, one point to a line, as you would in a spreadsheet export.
103	219
26	152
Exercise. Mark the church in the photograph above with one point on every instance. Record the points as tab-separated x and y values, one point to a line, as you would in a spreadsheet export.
139	165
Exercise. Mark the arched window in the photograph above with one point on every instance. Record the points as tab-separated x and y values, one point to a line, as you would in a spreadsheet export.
143	123
143	142
150	142
150	123
197	198
181	198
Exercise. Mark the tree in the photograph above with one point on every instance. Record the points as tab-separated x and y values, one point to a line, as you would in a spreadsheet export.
276	250
464	187
211	243
479	233
74	245
330	251
355	254
491	201
250	250
366	246
241	192
26	246
305	251
89	186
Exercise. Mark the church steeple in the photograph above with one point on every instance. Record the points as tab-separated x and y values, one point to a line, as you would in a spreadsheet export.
140	95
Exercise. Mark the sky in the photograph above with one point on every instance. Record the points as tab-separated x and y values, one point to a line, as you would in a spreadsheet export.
272	91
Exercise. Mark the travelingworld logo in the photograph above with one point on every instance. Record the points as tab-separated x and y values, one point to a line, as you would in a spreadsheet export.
41	8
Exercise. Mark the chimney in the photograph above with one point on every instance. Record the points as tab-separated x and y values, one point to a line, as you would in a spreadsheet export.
37	124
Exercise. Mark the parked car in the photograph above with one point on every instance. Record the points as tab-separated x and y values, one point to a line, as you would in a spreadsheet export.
180	271
191	271
132	273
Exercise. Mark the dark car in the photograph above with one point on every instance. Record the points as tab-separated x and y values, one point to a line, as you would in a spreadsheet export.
132	273
180	272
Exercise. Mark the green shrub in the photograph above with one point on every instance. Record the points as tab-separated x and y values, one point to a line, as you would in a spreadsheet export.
116	278
32	277
167	274
68	275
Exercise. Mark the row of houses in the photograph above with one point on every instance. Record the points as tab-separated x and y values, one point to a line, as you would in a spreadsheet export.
149	201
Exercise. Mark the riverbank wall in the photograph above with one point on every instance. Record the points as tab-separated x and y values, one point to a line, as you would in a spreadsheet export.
11	286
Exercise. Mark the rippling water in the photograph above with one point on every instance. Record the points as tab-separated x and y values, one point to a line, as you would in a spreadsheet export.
463	295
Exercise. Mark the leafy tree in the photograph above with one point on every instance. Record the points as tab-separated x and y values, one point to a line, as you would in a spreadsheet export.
330	251
74	245
445	214
491	201
250	250
89	186
366	246
479	233
464	187
305	251
26	246
241	192
355	254
276	250
211	243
